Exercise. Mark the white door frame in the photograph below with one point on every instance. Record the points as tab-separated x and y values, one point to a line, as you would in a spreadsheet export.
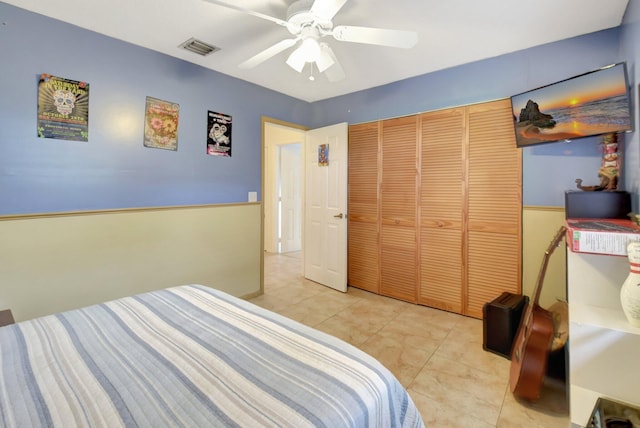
267	205
275	133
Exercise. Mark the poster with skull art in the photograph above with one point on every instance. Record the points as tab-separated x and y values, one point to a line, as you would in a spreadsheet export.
219	136
63	108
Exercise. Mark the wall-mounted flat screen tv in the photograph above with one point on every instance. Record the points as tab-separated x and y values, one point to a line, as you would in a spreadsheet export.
593	103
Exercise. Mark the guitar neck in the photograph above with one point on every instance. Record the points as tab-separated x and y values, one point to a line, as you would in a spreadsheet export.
545	262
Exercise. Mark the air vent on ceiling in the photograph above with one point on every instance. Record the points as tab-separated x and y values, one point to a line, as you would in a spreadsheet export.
199	47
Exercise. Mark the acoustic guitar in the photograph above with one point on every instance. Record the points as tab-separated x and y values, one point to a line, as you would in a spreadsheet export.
533	341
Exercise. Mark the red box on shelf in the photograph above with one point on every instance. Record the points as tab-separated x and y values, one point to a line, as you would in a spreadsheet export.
601	235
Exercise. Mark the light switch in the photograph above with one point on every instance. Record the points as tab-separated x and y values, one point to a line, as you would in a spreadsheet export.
253	196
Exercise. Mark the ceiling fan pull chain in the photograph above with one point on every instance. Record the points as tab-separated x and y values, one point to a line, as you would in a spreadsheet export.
311	72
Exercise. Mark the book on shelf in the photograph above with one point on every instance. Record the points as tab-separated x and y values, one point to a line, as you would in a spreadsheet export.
601	235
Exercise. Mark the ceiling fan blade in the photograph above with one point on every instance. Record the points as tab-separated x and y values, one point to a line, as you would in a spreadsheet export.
249	12
268	53
327	9
334	72
376	36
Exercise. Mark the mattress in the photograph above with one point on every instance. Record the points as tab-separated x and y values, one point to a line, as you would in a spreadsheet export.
190	356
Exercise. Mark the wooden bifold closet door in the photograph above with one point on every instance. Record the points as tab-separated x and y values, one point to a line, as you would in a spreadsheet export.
442	208
494	207
435	207
398	210
363	244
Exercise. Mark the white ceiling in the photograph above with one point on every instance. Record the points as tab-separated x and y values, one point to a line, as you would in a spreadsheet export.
451	32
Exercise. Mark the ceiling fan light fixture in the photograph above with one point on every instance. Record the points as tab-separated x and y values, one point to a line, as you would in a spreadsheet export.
310	49
325	59
296	60
310	20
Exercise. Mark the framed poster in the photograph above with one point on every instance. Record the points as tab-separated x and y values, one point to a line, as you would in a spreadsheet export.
63	108
219	134
161	124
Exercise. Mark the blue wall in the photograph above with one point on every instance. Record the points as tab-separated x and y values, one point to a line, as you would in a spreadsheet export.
113	169
548	170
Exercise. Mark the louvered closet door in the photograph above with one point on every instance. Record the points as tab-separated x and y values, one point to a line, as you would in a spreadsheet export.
363	257
494	206
442	192
398	205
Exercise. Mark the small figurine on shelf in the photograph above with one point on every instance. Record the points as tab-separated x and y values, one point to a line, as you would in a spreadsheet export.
630	291
609	169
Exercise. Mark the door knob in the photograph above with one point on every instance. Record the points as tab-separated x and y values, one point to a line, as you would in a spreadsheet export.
338	215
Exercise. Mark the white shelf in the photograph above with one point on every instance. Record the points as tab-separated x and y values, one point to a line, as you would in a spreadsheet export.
603	347
585	401
611	318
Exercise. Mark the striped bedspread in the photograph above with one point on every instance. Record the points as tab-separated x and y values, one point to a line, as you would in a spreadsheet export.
189	356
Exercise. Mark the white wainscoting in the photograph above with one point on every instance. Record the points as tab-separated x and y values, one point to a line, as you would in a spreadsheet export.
55	262
539	226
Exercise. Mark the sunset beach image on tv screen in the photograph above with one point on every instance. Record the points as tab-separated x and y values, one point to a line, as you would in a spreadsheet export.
594	103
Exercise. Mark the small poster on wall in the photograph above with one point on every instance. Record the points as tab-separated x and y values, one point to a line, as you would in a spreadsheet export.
323	155
219	136
161	124
63	108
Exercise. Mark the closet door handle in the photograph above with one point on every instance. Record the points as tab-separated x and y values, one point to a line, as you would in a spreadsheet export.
338	215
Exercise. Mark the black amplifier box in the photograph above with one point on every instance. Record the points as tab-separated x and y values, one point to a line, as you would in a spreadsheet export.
501	319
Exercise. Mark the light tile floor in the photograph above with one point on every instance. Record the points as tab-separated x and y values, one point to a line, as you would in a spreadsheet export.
436	355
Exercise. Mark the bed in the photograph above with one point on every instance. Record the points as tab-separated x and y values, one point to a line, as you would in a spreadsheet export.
190	356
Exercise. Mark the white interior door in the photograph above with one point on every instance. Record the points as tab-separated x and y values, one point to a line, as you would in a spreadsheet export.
325	224
290	198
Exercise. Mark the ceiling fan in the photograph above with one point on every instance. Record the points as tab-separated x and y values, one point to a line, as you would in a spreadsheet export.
309	21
